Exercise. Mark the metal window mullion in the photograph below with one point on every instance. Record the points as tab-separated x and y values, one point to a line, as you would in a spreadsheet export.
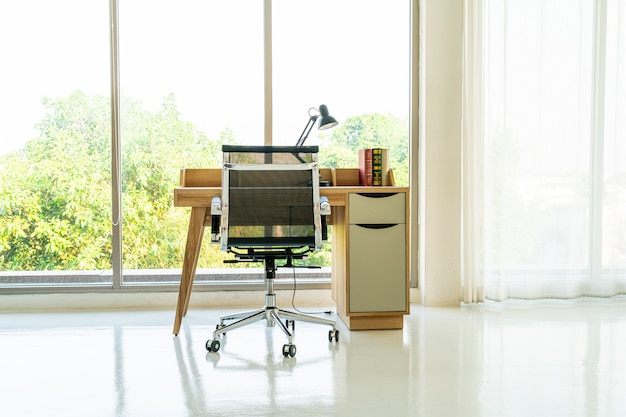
414	143
116	196
267	65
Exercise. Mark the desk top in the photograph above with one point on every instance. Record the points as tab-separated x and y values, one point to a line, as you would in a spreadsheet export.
202	196
199	186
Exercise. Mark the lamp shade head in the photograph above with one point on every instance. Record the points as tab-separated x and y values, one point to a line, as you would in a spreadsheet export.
325	121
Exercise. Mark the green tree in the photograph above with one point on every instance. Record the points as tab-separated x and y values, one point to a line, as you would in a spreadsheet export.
55	200
155	146
57	189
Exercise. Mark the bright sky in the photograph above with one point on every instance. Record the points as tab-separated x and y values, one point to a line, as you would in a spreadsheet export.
355	60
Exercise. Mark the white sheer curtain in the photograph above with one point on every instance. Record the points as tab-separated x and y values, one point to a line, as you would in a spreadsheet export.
544	149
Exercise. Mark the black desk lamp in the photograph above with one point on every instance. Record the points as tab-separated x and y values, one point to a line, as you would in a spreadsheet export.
326	121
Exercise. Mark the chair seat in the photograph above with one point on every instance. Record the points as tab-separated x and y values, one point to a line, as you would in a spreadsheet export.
274	242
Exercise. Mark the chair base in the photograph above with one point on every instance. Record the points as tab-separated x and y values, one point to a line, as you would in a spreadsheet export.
273	315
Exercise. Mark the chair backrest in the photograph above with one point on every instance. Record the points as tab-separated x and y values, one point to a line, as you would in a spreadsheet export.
270	197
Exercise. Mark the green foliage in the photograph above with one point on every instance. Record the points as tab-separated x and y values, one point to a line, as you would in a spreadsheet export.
56	191
55	202
155	146
55	199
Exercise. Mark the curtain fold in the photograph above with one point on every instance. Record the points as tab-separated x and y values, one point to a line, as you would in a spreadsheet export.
472	243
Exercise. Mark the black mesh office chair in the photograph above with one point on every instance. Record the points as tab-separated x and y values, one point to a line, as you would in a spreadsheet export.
270	211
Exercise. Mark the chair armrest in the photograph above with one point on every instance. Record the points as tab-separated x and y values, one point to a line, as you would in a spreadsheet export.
216	206
324	213
216	219
324	206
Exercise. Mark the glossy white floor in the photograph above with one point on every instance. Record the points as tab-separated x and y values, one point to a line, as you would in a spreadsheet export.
501	360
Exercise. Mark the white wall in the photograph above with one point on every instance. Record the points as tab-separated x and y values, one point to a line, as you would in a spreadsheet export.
441	30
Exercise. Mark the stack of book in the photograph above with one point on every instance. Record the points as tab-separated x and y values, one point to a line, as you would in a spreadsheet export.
374	167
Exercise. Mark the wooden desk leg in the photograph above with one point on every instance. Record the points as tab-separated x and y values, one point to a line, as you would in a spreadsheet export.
192	253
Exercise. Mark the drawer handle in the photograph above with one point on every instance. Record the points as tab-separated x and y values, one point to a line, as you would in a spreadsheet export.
377	226
377	195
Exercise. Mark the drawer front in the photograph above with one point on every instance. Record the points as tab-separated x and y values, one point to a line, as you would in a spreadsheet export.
376	209
378	279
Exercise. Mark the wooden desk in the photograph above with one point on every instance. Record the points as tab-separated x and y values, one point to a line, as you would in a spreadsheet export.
199	186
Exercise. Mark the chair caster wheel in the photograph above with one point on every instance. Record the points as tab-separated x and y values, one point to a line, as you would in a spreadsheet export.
333	334
289	350
212	345
291	323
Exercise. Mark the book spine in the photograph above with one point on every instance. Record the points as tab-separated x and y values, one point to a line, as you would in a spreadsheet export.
380	167
377	167
385	166
365	167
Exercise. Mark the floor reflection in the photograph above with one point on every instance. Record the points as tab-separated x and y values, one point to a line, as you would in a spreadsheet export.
509	359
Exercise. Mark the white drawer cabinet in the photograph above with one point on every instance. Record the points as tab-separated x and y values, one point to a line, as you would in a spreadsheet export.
376	269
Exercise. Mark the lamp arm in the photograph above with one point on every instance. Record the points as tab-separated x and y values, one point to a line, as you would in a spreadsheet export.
307	129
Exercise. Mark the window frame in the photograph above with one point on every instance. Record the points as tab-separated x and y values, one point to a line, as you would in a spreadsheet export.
171	283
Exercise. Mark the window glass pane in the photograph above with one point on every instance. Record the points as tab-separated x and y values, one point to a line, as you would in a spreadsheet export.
191	75
55	193
353	56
